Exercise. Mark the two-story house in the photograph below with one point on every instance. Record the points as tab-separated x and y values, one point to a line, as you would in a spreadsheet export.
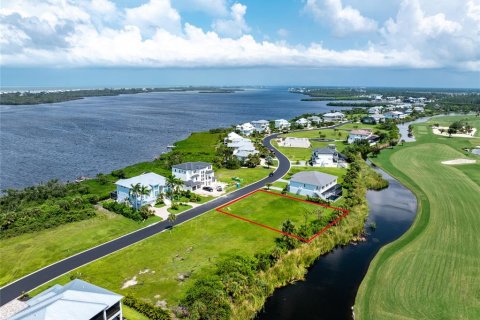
261	126
361	134
315	184
282	124
155	183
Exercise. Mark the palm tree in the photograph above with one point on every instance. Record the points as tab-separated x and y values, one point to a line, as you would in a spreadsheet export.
144	191
135	192
172	217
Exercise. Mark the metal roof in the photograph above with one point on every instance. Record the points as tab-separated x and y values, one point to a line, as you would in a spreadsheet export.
146	179
77	300
313	178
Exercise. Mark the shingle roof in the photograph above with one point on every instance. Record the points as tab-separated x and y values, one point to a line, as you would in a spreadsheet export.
313	177
192	165
146	179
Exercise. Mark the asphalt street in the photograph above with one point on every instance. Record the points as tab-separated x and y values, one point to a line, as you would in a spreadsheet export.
35	279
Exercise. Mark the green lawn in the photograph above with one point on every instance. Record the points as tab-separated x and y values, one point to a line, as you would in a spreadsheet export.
131	314
432	271
248	175
339	134
272	210
190	248
354	126
180	209
26	253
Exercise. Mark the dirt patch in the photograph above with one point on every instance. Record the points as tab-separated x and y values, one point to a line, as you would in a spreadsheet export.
130	283
459	161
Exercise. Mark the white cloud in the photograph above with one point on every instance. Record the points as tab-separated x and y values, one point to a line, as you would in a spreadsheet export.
155	14
235	25
69	34
345	20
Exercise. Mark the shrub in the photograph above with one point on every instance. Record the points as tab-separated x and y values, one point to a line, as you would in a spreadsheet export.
147	309
123	209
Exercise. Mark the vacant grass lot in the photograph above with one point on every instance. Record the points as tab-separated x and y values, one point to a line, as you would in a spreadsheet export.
26	253
338	134
432	271
248	175
272	210
188	249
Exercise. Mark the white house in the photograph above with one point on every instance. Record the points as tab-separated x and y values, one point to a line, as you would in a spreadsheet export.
261	126
77	300
154	182
394	115
232	137
242	147
246	129
327	157
194	175
315	184
302	122
333	116
282	124
419	109
314	119
375	110
361	134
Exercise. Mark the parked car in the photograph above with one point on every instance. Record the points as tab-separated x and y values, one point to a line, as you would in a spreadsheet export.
219	188
209	189
270	174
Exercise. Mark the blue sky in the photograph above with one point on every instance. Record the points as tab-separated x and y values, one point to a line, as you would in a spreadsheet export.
89	43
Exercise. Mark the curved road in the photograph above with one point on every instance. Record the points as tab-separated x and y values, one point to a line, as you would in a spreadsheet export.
35	279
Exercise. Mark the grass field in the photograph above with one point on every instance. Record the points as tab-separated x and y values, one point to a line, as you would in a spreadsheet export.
180	209
26	253
339	134
248	175
432	271
273	210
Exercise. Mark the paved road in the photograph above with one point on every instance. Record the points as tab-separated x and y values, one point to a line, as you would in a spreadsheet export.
33	280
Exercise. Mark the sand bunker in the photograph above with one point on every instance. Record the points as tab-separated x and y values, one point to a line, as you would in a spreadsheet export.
459	161
436	130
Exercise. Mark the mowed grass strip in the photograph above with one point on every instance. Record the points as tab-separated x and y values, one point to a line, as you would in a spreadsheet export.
432	271
26	253
272	210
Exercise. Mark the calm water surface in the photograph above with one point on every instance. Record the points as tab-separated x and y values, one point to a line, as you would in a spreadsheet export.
100	134
331	284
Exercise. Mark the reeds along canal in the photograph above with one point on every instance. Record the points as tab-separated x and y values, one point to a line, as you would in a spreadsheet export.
331	284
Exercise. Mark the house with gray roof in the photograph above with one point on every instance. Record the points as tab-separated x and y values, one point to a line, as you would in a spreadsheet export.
77	300
315	184
328	157
155	183
194	175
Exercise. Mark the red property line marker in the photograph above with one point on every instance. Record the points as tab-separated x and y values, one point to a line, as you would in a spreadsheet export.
331	224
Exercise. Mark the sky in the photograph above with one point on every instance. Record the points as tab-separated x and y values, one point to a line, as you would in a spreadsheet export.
96	43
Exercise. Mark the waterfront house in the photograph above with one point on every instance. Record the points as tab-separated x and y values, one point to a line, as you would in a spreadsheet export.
328	157
77	300
315	184
282	124
232	137
333	117
375	110
314	119
246	128
302	122
194	175
261	126
361	134
154	182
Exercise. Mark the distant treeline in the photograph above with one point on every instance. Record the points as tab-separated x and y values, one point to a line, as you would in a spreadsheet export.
17	98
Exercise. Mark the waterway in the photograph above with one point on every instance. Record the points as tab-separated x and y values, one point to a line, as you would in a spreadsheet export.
331	284
99	134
